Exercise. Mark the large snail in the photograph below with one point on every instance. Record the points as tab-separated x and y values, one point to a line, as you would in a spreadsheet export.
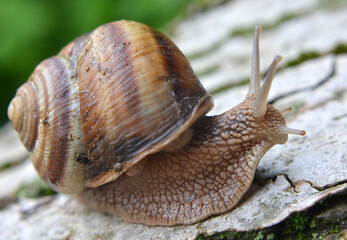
118	119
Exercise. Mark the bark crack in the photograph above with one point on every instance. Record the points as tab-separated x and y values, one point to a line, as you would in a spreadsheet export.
325	187
337	118
32	209
294	185
324	80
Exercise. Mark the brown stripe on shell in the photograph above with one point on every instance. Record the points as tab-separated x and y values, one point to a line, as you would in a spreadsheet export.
186	87
47	160
129	136
90	91
137	94
139	112
59	134
158	113
88	94
60	125
49	121
38	78
32	113
126	103
63	140
108	98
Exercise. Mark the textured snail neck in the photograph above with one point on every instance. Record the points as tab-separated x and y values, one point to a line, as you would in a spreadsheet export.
208	176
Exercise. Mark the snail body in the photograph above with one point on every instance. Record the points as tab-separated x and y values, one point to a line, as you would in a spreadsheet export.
117	118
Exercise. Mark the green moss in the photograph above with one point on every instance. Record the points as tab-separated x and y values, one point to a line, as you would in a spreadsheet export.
322	221
331	4
269	26
229	86
296	226
6	166
303	57
270	236
259	236
244	32
254	235
36	189
335	229
208	70
340	48
11	164
228	236
206	51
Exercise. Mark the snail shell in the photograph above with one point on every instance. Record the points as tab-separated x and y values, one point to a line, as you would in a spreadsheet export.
124	99
109	98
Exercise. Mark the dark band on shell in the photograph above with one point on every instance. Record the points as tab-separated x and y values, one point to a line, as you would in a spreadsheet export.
129	89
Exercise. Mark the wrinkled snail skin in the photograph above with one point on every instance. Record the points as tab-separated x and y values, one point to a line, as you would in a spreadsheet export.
118	120
208	176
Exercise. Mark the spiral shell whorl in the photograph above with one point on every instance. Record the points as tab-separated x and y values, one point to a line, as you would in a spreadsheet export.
45	113
24	114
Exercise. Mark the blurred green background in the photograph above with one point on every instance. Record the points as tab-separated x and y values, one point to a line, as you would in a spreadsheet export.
31	31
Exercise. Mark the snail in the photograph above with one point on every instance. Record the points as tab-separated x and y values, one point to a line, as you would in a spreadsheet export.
118	119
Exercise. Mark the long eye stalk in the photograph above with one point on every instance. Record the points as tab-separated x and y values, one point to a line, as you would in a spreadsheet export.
260	102
287	130
254	85
261	92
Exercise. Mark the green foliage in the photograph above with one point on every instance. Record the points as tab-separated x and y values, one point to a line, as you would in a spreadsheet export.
270	236
32	31
296	225
259	236
313	224
221	236
254	235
